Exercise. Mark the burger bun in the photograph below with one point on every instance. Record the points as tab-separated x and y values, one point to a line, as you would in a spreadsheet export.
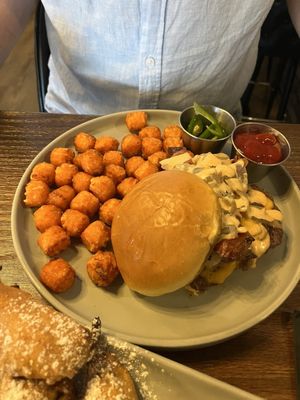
164	230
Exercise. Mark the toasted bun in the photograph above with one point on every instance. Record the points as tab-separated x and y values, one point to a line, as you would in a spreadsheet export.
36	341
164	230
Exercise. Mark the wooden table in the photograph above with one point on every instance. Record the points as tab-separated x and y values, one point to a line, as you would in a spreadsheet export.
260	360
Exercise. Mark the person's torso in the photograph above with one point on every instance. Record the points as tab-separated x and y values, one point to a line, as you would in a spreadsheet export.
108	56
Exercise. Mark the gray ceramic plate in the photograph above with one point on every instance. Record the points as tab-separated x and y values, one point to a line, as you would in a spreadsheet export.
176	320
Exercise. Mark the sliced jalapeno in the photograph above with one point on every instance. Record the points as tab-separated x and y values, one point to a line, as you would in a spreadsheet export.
196	125
215	131
213	125
206	134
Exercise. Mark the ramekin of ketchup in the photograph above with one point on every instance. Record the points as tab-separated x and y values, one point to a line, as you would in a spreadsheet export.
263	146
259	147
260	143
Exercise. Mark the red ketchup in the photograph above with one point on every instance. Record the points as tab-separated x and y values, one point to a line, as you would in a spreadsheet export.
261	147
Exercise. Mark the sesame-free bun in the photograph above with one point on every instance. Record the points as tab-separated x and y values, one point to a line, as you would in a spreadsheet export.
163	231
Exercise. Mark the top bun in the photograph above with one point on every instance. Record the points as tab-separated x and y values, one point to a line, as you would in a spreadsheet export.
163	231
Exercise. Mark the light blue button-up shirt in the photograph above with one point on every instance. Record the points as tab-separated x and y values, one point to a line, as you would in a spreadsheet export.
108	56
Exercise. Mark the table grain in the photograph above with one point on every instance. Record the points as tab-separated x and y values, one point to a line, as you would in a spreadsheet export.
260	360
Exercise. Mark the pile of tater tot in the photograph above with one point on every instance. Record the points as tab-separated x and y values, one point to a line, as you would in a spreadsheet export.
76	193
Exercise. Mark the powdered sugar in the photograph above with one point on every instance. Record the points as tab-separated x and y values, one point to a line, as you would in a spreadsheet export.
139	369
38	342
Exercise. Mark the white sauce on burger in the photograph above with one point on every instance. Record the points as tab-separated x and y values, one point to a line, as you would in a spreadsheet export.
244	209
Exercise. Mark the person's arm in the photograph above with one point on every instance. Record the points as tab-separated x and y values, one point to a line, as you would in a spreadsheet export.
14	14
294	11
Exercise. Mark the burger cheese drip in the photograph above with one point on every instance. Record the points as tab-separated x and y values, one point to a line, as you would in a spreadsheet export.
246	211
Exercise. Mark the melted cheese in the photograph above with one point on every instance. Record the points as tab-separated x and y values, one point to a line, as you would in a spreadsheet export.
218	277
259	247
263	214
260	234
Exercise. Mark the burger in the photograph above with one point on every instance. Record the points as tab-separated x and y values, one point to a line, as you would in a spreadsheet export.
192	225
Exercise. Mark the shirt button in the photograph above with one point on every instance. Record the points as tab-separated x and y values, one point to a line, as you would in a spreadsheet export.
150	62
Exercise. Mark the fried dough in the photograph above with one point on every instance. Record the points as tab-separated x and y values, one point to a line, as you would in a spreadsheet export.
37	342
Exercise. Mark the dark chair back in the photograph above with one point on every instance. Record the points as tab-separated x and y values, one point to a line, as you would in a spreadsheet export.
42	53
279	46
